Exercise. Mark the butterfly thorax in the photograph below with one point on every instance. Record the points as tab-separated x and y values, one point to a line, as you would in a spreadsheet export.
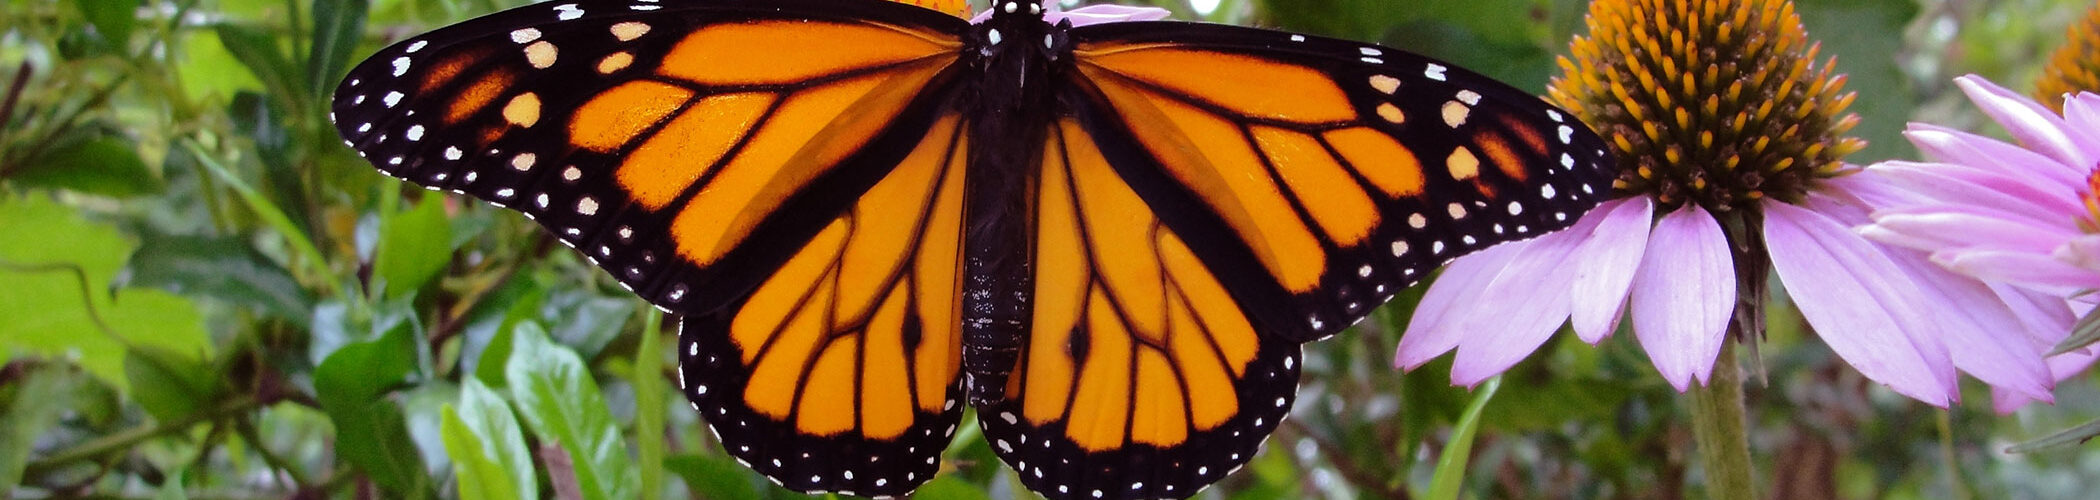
1016	59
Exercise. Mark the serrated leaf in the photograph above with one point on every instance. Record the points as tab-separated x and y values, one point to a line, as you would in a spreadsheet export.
371	431
104	165
56	264
227	269
414	246
487	449
716	478
561	403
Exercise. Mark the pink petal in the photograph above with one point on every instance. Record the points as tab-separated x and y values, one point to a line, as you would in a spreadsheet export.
1535	288
1960	232
1963	148
1107	13
2082	112
2047	318
1605	265
1859	302
1997	190
2070	364
1091	14
2039	272
2062	367
1869	189
2035	126
1683	295
2082	251
1983	335
1459	291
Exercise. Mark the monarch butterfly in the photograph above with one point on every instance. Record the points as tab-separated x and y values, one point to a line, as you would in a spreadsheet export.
1112	239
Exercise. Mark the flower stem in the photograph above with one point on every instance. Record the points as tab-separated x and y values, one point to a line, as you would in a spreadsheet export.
1718	429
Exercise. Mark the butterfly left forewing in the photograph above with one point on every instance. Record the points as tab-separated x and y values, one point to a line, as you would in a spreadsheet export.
674	145
784	173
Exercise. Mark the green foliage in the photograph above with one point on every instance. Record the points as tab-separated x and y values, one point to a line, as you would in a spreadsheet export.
487	447
353	385
200	287
561	403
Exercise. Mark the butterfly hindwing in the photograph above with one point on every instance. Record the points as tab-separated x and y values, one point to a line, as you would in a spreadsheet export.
790	176
1140	378
1319	177
688	145
839	373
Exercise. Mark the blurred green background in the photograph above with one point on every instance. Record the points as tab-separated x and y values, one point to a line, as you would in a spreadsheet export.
204	295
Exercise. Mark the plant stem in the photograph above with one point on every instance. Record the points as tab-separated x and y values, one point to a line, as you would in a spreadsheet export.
125	440
1955	487
1719	431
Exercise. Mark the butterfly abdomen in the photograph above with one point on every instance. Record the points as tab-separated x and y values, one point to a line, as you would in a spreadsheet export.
1014	75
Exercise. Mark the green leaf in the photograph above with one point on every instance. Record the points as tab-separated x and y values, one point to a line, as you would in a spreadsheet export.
172	488
209	70
228	269
717	478
304	251
1548	403
586	320
263	121
487	449
42	395
649	404
258	51
338	24
414	246
105	165
496	357
2084	333
1451	464
57	302
561	403
1856	33
170	385
2060	439
112	19
948	487
371	431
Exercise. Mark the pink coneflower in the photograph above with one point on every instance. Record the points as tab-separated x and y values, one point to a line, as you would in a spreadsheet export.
2027	217
1722	180
1090	14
